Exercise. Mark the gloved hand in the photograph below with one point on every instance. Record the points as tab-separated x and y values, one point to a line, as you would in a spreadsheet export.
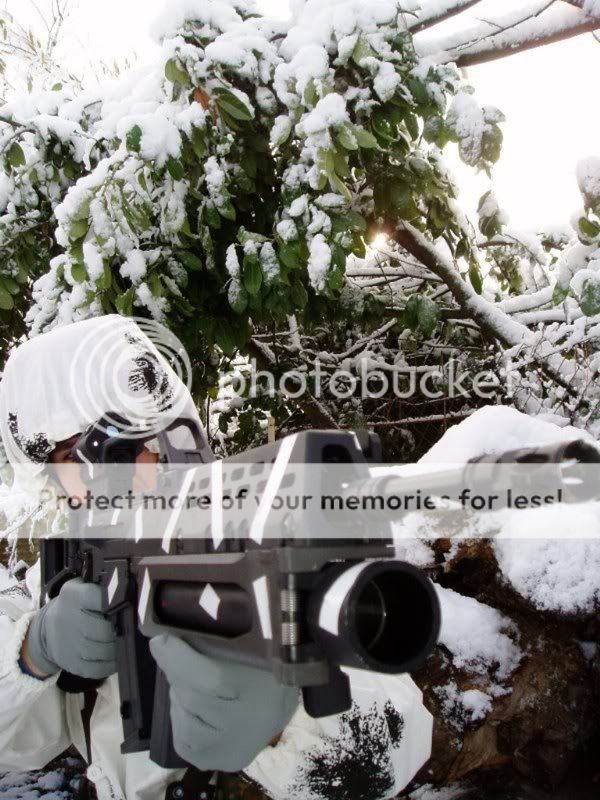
71	633
222	714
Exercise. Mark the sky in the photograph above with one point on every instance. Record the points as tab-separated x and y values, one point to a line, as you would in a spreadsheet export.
547	95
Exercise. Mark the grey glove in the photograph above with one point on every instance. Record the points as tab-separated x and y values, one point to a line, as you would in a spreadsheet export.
71	633
222	714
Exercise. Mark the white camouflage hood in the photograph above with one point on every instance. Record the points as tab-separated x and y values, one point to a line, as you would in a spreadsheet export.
56	384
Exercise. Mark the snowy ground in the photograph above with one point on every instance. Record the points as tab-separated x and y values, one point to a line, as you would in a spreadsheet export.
59	781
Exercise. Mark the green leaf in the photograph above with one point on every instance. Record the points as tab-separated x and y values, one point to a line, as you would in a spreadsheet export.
78	229
400	194
412	125
83	211
6	301
559	295
299	295
335	280
347	138
34	178
362	49
366	139
232	105
16	156
70	169
175	74
198	144
341	167
338	185
589	300
227	210
588	228
134	139
225	337
78	273
283	132
105	280
355	221
155	284
475	276
190	260
176	169
418	89
249	165
9	284
211	216
237	296
421	315
252	274
310	94
289	256
124	302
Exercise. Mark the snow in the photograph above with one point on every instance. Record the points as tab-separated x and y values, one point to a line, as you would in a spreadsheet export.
93	260
550	556
269	262
232	263
219	15
60	782
469	44
496	429
387	81
321	22
475	635
5	579
430	792
287	230
588	170
299	207
592	7
310	63
470	122
560	575
329	112
134	266
461	708
214	175
156	305
282	127
319	262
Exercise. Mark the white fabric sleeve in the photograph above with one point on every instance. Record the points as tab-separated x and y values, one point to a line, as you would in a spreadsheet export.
370	752
33	726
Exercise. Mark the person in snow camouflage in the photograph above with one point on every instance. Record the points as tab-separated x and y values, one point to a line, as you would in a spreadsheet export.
225	717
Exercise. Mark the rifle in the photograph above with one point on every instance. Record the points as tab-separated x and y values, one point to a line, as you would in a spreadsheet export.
275	592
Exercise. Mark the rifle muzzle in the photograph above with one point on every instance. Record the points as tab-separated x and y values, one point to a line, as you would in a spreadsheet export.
379	615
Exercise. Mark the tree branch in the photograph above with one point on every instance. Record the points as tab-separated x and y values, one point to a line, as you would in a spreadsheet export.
510	34
494	323
427	17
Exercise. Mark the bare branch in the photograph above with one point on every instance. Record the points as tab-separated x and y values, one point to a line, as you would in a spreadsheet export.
510	34
403	423
427	18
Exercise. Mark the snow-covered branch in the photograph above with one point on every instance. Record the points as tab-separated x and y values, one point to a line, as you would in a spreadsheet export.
434	13
492	321
538	24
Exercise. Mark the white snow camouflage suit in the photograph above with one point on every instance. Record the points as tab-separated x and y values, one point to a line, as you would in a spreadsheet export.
371	751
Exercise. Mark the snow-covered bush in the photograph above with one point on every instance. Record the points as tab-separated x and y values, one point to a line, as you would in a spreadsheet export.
277	189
